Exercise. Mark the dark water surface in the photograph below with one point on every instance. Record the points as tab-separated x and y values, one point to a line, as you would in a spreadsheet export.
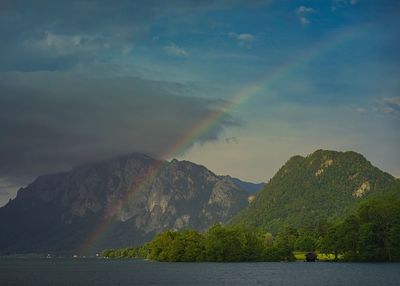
138	272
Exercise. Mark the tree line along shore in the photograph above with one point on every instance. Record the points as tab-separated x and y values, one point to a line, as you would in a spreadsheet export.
370	233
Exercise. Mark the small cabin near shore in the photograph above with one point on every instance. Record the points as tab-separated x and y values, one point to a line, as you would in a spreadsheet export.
311	257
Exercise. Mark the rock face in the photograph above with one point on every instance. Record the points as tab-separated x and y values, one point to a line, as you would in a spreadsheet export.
122	201
325	185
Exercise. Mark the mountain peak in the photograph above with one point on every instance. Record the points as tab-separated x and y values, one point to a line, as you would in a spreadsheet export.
323	185
320	153
139	194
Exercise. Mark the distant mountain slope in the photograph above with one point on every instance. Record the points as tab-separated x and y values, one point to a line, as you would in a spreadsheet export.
323	185
59	212
251	188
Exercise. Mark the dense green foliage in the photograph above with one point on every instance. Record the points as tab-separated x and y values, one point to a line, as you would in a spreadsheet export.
324	186
219	244
372	233
129	252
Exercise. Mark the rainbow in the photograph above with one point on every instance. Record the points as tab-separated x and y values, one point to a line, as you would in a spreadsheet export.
213	118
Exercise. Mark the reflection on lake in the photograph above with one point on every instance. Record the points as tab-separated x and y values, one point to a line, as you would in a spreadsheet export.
139	272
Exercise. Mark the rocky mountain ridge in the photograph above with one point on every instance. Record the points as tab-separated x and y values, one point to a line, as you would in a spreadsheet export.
139	196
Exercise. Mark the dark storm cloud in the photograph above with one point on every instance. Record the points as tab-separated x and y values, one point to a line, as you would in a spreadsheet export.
50	121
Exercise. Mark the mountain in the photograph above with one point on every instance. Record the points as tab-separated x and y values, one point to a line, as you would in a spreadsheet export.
325	185
116	203
251	188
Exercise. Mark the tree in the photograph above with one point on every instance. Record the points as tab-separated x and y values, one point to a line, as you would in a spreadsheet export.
379	229
305	243
330	242
371	233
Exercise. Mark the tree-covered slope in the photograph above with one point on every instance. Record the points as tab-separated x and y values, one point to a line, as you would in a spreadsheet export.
325	185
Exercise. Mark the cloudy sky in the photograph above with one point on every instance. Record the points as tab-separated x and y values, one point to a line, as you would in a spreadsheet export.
81	81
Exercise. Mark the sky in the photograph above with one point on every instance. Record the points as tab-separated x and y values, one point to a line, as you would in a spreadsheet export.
82	81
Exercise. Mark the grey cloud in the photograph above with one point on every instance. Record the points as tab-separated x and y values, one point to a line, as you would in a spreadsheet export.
390	106
50	121
337	4
53	35
7	190
303	12
392	101
175	50
304	21
232	139
243	39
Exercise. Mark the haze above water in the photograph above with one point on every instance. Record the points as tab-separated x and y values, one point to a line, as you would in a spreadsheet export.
139	272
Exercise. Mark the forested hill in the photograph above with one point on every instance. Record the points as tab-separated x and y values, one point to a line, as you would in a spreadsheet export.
325	185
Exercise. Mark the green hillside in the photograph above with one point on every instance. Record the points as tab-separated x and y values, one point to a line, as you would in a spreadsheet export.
325	185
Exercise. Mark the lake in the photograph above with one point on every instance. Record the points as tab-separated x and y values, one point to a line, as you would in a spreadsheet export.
139	272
